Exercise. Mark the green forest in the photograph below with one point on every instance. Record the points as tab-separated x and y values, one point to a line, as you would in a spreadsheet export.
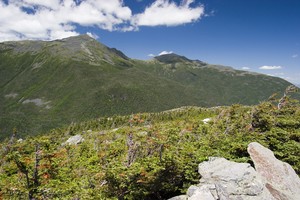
48	85
144	155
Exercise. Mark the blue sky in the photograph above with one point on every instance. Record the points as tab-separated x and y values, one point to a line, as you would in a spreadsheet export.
255	35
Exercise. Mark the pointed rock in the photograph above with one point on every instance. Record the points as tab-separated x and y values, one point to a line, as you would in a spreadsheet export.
281	179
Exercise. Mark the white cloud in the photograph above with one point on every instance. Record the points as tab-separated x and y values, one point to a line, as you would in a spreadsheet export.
164	12
55	19
210	14
165	52
160	54
92	35
53	4
295	56
270	67
245	68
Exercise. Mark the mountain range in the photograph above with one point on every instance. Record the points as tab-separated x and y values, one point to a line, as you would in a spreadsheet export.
48	84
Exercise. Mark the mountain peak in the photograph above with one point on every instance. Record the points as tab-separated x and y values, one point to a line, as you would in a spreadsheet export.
172	58
82	37
85	47
80	48
78	41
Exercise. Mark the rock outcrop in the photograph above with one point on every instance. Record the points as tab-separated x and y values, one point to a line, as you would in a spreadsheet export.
222	179
74	140
281	179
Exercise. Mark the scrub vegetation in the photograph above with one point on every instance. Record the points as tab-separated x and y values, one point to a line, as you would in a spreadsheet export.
144	155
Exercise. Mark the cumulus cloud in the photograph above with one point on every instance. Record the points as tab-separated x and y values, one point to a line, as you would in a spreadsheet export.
55	19
270	67
160	54
39	19
165	52
164	12
92	35
54	4
245	68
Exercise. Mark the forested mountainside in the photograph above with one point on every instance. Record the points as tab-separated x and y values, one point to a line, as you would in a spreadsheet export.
44	85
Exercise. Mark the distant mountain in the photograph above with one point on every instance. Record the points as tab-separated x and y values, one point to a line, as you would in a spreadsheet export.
173	58
50	84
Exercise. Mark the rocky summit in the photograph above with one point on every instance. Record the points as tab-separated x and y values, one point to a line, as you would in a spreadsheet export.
221	179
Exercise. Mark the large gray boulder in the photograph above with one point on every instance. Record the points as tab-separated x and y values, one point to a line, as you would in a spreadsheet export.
226	180
281	179
223	179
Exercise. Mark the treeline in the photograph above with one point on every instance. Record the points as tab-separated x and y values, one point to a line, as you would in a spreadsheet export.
105	123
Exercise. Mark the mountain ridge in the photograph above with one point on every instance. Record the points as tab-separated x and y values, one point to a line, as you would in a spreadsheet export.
44	85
